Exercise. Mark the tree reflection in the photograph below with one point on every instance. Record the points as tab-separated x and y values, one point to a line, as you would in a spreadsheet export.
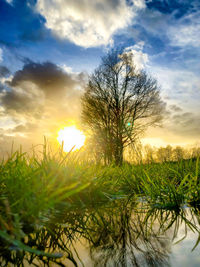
121	233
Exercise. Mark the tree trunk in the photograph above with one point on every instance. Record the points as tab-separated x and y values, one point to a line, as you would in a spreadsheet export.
118	156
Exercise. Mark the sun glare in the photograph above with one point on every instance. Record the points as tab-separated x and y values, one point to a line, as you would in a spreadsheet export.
71	138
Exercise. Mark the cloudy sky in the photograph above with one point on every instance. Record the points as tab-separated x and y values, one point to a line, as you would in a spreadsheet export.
48	47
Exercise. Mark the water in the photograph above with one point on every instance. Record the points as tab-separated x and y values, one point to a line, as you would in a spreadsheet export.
120	233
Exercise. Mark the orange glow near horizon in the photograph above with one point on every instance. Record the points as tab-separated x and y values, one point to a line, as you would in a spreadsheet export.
71	138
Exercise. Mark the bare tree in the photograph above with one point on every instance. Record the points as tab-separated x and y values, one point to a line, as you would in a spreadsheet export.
119	103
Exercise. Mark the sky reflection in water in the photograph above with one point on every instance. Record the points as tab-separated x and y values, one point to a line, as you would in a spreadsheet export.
121	233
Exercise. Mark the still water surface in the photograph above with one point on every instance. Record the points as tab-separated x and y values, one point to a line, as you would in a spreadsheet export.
120	233
133	234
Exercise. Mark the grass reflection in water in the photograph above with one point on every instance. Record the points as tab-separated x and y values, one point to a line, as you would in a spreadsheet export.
122	233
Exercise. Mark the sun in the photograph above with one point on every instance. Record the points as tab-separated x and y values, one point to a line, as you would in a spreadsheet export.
71	138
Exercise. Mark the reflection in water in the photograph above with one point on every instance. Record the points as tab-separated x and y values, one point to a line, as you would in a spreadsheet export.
122	236
121	233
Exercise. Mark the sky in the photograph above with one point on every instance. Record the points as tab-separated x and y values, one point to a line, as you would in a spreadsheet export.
49	47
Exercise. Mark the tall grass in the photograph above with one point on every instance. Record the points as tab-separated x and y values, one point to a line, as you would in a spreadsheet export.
36	189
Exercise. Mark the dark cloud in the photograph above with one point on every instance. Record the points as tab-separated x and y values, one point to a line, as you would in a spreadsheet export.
175	108
186	124
49	78
15	101
4	71
40	86
182	116
25	128
1	87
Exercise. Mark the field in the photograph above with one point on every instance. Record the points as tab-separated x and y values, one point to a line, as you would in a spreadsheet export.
37	191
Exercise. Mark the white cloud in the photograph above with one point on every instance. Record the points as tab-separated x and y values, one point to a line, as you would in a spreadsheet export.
9	1
5	80
66	68
179	87
178	84
88	23
139	3
1	54
186	32
139	58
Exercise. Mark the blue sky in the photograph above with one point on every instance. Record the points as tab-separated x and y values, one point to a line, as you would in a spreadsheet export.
65	40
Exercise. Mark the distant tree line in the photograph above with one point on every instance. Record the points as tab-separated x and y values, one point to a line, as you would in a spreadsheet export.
145	154
148	154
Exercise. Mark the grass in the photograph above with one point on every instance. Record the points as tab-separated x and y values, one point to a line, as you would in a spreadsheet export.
35	192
